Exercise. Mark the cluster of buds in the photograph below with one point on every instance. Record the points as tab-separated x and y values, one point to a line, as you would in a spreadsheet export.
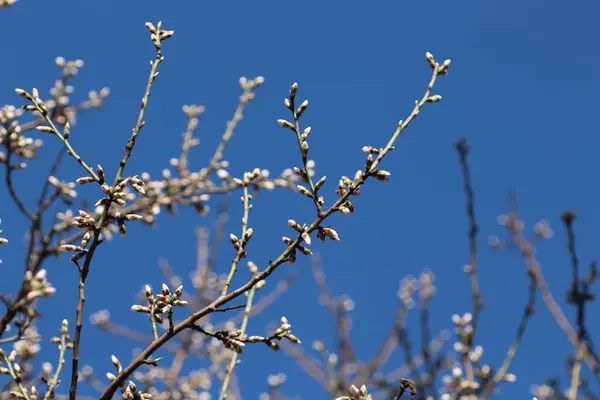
441	69
191	187
515	227
193	111
60	91
132	392
426	286
37	105
232	340
322	233
97	98
118	193
62	112
352	187
248	178
284	331
37	286
162	303
301	229
371	153
458	386
240	244
290	104
408	286
327	232
69	68
58	108
292	257
84	220
456	383
464	332
248	86
11	135
355	393
157	34
307	171
512	223
378	174
65	338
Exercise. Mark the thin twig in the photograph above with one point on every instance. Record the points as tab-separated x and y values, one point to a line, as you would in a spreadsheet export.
578	296
64	138
238	115
463	150
425	341
387	347
62	347
575	381
241	251
10	185
153	321
528	311
296	114
234	357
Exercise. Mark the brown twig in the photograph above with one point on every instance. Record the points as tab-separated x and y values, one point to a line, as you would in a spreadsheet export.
463	150
578	295
528	311
238	115
387	347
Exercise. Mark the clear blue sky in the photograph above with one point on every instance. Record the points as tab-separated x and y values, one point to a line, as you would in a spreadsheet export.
523	89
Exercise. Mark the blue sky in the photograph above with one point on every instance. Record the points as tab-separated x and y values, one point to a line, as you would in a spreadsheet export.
522	88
